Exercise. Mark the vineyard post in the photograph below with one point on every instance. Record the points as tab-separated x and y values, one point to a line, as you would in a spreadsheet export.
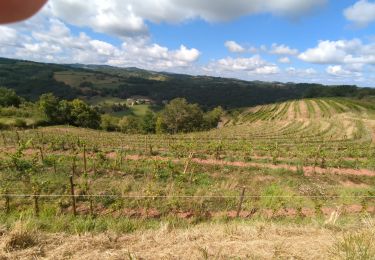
91	207
4	138
55	166
188	160
242	195
18	138
74	166
36	203
7	202
72	194
41	152
84	159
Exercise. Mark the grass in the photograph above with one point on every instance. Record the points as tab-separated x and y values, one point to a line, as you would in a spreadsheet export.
215	240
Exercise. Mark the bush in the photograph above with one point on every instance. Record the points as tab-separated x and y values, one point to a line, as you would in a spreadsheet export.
19	123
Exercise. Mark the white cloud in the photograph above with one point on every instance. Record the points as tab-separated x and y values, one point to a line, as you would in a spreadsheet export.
54	42
340	52
8	35
128	17
300	72
284	60
361	13
340	71
232	46
252	65
282	50
186	55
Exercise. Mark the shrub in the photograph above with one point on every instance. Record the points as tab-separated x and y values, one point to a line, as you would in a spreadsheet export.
19	123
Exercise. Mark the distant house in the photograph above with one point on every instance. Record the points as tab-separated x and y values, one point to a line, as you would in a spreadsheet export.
139	100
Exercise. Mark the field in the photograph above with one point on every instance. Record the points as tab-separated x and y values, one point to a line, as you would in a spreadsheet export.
270	182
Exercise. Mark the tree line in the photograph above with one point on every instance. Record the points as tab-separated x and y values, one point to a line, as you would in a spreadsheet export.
177	116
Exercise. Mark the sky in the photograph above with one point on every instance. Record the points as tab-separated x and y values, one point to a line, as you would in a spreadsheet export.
321	41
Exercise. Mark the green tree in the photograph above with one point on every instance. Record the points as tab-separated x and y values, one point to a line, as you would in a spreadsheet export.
48	104
109	123
148	122
130	125
180	116
65	112
212	118
9	98
83	115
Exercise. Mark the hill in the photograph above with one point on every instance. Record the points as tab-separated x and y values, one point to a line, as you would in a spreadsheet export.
31	79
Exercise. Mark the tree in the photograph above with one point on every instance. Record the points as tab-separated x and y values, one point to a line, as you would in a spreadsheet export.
109	123
9	98
48	104
148	122
180	116
212	118
130	125
83	115
65	112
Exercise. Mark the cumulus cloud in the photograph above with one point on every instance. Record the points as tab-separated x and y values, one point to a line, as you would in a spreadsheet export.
361	13
251	65
282	50
128	17
56	43
284	60
340	71
340	52
232	46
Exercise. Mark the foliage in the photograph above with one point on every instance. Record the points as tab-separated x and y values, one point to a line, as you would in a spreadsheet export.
109	123
8	97
75	112
130	125
180	116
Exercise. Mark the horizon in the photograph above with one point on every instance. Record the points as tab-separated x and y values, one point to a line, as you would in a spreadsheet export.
321	41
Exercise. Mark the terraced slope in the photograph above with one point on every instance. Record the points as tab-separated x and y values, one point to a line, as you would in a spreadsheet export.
325	133
299	159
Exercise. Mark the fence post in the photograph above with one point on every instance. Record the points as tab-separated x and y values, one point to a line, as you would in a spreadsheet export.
4	138
7	202
36	204
242	195
91	207
72	194
18	138
41	153
84	159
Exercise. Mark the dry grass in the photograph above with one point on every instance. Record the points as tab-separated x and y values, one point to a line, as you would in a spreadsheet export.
205	241
19	238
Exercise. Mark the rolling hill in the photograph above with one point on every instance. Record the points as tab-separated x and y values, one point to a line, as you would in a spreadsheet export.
31	79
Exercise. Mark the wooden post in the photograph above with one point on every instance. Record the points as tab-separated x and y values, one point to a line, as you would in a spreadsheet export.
190	157
146	143
4	138
41	153
72	194
94	165
7	203
241	201
84	159
55	166
18	138
91	207
74	166
36	204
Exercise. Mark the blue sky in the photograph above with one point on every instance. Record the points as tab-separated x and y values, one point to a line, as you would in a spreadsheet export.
324	41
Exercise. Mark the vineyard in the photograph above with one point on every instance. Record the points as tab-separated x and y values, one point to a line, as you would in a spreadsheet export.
293	162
